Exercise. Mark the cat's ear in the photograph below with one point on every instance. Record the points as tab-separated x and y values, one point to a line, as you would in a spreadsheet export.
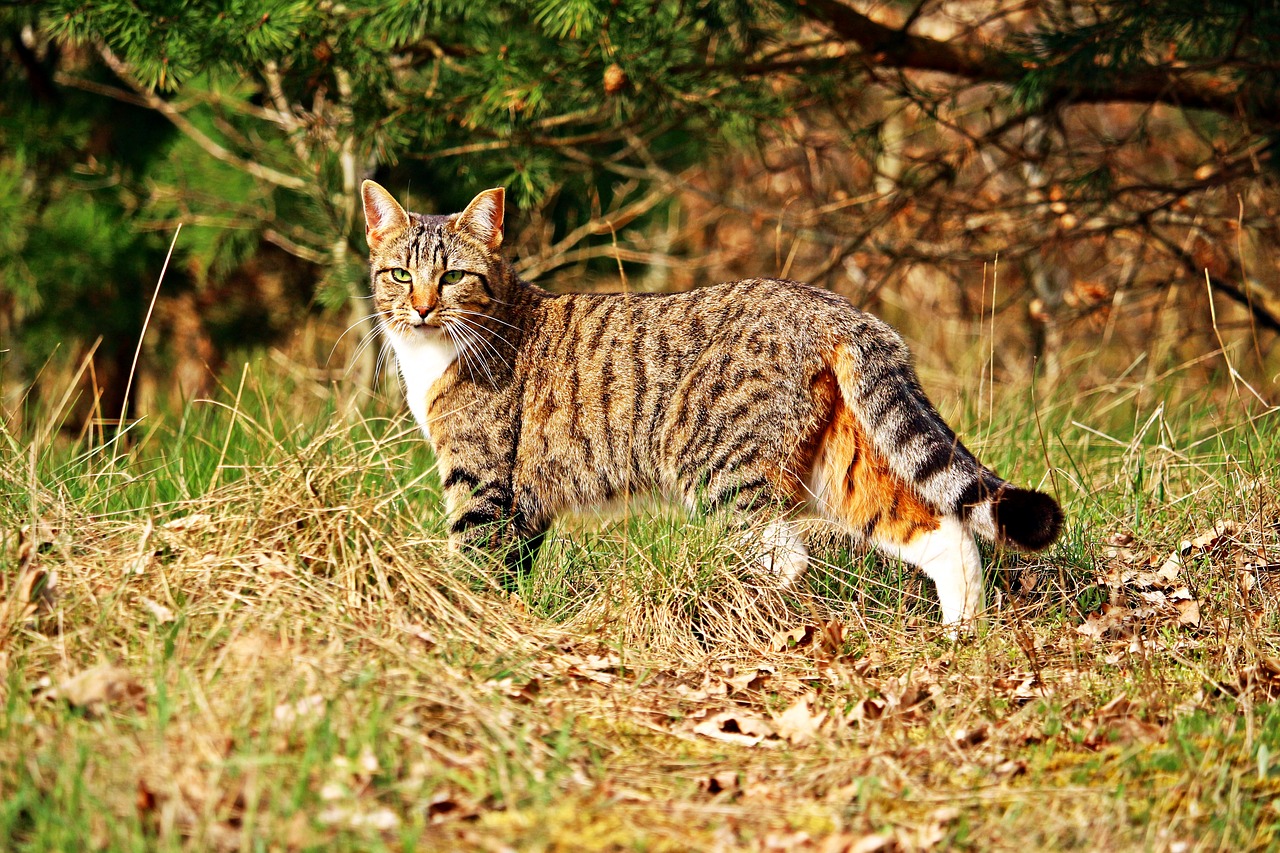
383	215
483	217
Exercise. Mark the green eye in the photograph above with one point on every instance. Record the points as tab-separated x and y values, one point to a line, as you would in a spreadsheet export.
401	276
452	277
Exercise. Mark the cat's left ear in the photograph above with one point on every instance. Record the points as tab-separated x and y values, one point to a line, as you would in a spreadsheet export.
483	217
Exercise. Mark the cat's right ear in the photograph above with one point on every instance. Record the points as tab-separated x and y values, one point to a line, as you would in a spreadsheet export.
383	215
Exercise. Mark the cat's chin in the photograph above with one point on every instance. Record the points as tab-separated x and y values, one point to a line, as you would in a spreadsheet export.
423	334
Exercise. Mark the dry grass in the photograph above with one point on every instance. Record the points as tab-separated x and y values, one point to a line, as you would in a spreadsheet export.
244	633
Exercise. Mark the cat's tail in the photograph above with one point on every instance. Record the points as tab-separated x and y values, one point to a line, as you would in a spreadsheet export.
874	373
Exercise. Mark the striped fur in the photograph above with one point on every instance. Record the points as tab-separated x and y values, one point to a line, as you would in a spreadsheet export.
763	397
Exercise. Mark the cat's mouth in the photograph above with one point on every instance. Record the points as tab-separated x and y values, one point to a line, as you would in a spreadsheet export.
426	330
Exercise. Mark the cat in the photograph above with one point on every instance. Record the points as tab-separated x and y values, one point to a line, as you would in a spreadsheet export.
771	399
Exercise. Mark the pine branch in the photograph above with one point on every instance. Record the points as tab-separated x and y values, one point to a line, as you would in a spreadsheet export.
214	149
887	46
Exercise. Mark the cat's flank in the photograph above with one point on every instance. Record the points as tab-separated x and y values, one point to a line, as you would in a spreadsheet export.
771	399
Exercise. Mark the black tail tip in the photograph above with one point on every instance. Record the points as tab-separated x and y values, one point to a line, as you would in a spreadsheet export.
1028	519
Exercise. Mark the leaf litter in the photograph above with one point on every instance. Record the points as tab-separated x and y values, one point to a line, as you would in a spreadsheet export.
805	717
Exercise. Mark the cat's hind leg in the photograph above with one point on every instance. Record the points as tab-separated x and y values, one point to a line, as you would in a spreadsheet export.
851	484
949	555
769	533
783	552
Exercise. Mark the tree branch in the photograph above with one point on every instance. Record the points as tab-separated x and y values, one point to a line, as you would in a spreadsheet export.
212	148
885	45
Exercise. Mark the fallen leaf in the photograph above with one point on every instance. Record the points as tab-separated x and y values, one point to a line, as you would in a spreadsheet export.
36	591
1170	569
971	736
522	692
162	614
735	727
753	679
195	521
1188	612
101	686
797	637
867	709
1216	534
798	724
722	782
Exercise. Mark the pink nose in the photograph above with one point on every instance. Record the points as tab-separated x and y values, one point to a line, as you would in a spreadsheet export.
423	310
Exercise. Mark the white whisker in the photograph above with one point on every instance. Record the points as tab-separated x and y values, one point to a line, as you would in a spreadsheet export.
347	330
485	316
473	329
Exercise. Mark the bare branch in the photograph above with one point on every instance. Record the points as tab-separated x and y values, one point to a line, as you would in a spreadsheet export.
214	149
887	46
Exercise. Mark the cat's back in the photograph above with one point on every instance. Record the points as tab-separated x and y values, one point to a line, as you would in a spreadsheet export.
761	315
636	385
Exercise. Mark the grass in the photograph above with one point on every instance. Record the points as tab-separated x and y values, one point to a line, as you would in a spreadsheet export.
273	651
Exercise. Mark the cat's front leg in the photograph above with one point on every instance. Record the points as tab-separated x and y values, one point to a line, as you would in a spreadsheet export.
484	525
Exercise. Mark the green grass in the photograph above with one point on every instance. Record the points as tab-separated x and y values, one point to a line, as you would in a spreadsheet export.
292	661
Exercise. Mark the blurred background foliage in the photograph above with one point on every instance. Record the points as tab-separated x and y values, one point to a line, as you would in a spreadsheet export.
1083	190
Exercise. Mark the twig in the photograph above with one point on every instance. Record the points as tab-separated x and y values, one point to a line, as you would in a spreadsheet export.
215	150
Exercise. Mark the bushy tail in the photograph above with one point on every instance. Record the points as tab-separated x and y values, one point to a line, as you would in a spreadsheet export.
878	383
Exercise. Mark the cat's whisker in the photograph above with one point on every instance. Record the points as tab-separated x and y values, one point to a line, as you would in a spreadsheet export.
383	360
485	316
460	345
347	330
475	328
473	339
365	342
484	362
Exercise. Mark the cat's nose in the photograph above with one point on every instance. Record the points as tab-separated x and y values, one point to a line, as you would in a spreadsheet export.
423	310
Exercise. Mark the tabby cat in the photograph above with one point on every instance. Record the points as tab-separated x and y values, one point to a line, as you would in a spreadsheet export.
771	399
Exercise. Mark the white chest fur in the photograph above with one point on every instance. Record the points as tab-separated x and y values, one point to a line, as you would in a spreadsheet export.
423	360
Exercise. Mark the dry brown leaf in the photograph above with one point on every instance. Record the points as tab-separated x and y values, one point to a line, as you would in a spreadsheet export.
971	736
36	591
797	637
101	686
726	781
1118	722
521	692
273	565
866	709
195	521
162	614
1170	569
34	540
1220	531
735	727
798	724
752	679
446	805
1188	612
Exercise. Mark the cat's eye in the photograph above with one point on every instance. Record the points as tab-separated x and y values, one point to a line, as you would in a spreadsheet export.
452	277
401	276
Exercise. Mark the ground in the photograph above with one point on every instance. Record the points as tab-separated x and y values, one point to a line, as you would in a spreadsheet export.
239	629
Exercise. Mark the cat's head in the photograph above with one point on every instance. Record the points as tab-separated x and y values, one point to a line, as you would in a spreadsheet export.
434	272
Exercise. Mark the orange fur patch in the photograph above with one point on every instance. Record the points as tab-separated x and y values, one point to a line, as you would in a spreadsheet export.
854	485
